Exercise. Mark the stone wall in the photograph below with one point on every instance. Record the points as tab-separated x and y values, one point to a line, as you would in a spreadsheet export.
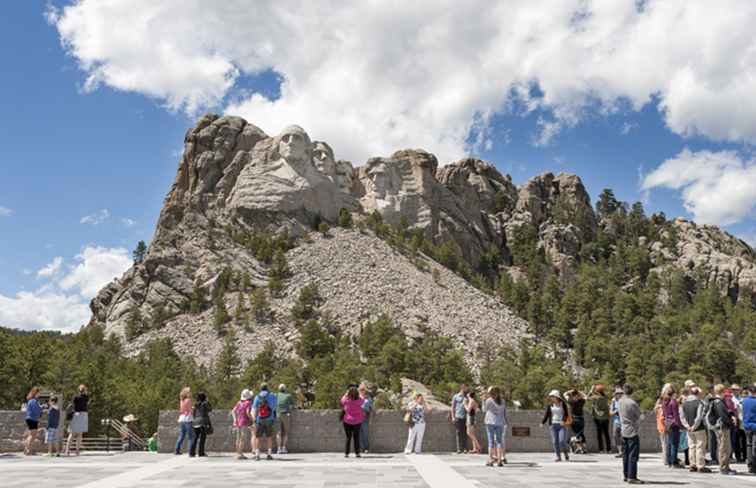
12	429
320	431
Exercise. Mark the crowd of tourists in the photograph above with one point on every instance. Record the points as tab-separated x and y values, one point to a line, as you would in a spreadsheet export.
76	417
710	426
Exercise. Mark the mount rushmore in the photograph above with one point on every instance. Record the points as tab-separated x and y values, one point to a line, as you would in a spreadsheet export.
233	178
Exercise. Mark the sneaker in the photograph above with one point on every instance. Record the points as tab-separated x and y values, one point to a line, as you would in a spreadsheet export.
635	481
558	460
500	464
257	457
705	470
504	460
566	456
729	472
618	455
489	462
693	469
241	457
346	455
357	455
269	457
283	450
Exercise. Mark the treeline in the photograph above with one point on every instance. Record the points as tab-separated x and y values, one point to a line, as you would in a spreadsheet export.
144	384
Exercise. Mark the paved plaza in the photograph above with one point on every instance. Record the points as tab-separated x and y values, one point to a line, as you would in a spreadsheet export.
333	470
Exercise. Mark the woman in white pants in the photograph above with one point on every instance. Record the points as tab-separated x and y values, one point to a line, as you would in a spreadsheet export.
417	410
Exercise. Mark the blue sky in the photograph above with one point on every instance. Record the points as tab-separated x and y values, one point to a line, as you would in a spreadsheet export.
95	127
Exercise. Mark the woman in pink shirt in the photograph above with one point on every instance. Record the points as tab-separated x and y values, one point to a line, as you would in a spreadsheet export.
185	418
352	416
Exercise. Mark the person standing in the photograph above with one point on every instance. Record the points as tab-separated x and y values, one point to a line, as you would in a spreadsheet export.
53	425
186	431
367	407
557	417
471	407
33	414
496	426
417	409
739	442
630	417
458	416
284	407
712	435
672	424
201	425
749	424
264	413
616	423
600	414
576	401
79	424
353	415
720	422
241	414
692	413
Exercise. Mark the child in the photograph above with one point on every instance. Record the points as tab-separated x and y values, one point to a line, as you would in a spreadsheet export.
53	423
152	443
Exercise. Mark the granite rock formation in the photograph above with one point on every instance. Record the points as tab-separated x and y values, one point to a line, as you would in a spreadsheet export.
233	179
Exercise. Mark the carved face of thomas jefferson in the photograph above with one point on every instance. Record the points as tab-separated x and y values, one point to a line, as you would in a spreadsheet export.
322	156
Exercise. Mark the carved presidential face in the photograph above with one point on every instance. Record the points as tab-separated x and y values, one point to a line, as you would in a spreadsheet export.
323	158
293	147
378	179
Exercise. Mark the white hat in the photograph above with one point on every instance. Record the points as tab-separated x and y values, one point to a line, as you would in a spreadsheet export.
281	387
246	394
130	418
555	393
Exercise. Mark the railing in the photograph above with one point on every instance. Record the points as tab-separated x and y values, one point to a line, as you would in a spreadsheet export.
125	433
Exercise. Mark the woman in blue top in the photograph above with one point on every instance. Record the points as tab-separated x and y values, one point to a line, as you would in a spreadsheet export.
33	414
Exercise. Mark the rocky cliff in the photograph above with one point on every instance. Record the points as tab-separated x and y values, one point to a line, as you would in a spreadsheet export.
238	189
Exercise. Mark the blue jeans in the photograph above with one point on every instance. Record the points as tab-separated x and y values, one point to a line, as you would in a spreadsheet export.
630	454
186	431
495	434
673	443
558	435
364	432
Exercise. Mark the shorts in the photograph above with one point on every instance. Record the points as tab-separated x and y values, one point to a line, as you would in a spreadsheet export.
284	424
51	436
265	428
79	423
32	424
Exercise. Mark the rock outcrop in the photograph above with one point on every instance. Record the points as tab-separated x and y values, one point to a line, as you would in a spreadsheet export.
234	181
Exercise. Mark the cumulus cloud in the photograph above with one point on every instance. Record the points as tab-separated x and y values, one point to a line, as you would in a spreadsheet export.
50	269
128	222
96	218
43	310
97	267
718	187
5	212
372	77
62	302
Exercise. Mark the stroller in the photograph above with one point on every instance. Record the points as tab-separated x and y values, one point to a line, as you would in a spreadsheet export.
577	441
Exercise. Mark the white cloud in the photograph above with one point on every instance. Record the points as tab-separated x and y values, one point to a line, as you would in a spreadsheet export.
43	310
62	302
51	269
128	222
372	77
5	212
717	187
97	267
96	218
628	127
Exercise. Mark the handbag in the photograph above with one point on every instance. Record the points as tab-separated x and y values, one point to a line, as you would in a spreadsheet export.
408	419
209	427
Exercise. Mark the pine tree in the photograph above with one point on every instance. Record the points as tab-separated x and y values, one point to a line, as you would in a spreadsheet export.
134	324
140	252
307	303
239	310
345	218
220	315
197	299
260	305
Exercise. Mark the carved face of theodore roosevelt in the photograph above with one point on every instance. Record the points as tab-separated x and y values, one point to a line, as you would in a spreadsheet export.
294	145
322	155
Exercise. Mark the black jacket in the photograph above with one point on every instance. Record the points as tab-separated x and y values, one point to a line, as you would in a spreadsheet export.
721	410
547	413
201	414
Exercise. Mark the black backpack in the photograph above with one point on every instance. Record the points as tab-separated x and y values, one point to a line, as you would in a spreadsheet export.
713	421
69	412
